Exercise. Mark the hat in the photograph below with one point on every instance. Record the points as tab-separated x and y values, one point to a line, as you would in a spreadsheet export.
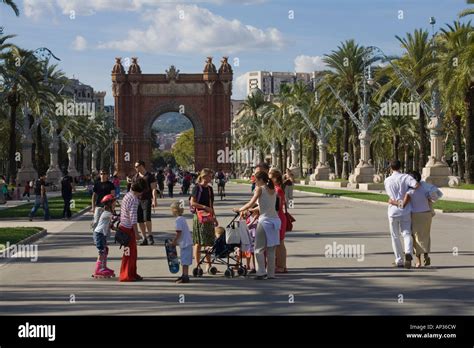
107	198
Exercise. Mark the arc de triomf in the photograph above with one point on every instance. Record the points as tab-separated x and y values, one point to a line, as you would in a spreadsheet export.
141	98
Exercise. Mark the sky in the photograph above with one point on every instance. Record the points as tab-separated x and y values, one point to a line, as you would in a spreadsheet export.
279	35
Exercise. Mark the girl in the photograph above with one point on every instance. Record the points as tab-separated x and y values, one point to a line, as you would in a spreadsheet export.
276	177
128	224
268	227
102	225
184	240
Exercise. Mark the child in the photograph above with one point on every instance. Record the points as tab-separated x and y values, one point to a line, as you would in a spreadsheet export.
101	227
249	255
183	238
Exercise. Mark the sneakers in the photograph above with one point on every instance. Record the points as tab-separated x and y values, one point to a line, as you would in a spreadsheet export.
182	280
408	259
151	241
144	242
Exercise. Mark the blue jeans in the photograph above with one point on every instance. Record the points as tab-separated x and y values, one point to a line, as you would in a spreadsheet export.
37	204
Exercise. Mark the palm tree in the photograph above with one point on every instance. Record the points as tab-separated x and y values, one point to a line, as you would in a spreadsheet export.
13	6
347	64
456	76
419	63
466	12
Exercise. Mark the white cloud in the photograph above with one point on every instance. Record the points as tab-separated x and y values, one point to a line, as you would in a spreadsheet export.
239	87
189	29
79	43
37	8
309	63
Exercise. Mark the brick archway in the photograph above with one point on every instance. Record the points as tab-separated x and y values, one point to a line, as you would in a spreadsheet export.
141	98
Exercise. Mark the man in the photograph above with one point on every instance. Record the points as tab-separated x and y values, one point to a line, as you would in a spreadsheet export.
147	200
67	186
41	198
399	217
101	189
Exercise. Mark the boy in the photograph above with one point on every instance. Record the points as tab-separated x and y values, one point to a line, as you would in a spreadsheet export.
184	239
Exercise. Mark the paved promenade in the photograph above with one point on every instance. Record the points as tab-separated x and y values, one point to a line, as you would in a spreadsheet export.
60	283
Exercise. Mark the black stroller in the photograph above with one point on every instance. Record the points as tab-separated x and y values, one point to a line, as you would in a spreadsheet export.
222	253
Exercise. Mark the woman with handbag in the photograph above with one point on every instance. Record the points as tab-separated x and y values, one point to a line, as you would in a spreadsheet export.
277	178
128	225
202	206
267	233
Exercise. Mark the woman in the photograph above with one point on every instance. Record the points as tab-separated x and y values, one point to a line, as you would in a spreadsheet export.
202	198
160	178
288	183
268	227
128	224
170	182
421	217
276	177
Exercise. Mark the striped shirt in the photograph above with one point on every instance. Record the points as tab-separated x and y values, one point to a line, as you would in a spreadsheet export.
128	210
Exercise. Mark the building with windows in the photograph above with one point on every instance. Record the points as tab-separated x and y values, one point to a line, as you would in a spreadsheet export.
270	82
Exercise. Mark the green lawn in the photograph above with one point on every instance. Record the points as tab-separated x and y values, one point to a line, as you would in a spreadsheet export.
16	234
56	204
446	206
465	187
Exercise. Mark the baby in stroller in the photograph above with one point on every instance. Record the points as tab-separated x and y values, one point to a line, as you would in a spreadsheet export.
222	253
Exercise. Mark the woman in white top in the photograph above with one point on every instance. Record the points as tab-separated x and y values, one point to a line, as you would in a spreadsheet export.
267	235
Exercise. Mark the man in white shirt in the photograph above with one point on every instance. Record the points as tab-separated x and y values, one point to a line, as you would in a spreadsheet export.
399	217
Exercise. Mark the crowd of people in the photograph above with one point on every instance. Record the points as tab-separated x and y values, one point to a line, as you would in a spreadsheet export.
410	212
265	213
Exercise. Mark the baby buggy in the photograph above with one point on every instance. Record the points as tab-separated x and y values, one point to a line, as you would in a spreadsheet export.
222	253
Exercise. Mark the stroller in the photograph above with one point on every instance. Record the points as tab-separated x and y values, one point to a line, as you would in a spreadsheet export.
222	253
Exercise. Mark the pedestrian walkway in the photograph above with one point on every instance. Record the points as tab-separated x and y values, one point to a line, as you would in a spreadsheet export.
60	281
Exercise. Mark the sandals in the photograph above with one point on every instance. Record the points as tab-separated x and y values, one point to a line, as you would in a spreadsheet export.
427	260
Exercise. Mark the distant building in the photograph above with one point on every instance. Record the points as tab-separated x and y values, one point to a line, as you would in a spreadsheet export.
270	82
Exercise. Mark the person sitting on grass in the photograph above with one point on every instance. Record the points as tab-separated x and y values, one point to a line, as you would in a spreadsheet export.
184	240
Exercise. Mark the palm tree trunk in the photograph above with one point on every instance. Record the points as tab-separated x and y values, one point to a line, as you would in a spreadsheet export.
345	174
314	147
405	158
40	150
285	155
396	145
458	145
301	156
423	158
13	101
355	144
338	154
280	156
469	135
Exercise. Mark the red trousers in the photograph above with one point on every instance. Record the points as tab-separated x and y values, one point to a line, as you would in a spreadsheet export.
128	269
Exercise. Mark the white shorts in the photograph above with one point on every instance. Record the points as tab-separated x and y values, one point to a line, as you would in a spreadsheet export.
187	255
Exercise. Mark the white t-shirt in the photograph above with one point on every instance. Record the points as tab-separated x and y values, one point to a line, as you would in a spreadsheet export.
103	226
181	225
396	186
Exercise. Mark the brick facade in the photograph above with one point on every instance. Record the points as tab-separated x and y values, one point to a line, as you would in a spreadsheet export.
141	98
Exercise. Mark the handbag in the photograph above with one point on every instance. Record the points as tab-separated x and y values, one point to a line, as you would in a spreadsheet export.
244	233
204	217
232	234
289	220
122	238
